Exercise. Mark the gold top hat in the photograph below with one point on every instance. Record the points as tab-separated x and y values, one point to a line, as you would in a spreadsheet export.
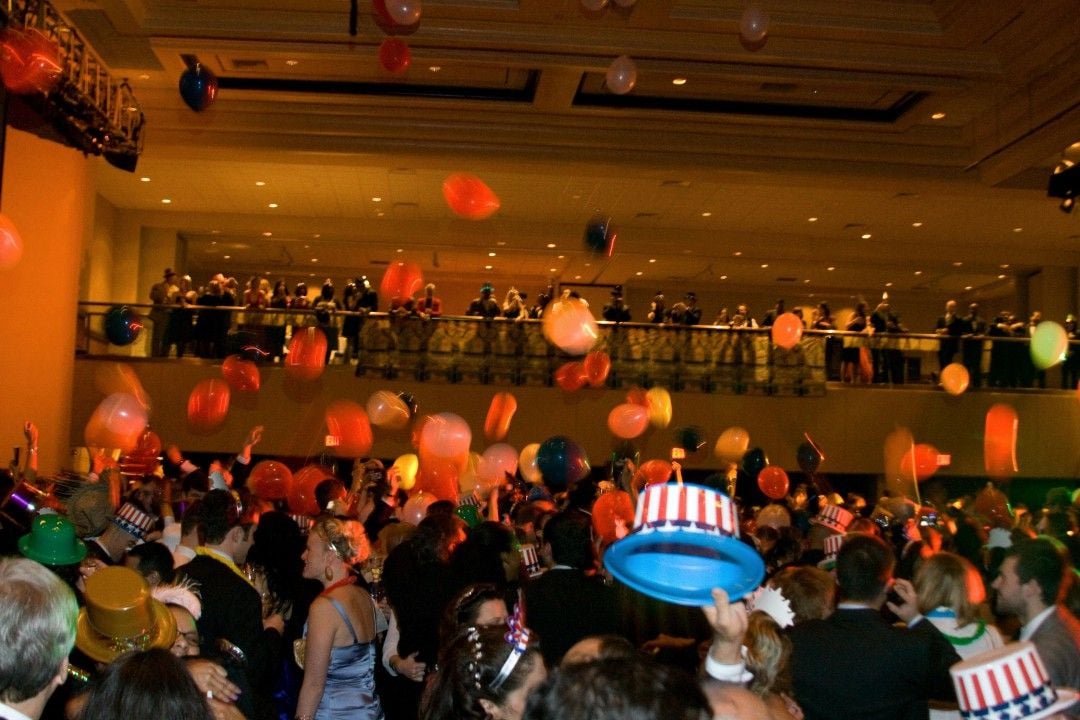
120	615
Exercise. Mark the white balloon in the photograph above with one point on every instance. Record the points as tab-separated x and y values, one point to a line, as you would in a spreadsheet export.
404	12
621	75
754	24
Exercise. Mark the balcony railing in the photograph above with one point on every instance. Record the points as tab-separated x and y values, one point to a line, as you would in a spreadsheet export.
504	352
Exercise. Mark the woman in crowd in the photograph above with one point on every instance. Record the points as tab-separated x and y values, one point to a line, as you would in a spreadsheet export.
950	591
340	652
768	653
149	685
851	355
275	333
480	604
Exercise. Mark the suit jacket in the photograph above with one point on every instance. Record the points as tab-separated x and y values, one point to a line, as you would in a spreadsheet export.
1058	642
564	606
856	666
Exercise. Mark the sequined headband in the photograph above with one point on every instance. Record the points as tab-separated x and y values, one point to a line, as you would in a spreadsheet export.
518	638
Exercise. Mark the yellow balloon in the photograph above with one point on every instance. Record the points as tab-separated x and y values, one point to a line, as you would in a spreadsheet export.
659	400
407	466
732	445
527	464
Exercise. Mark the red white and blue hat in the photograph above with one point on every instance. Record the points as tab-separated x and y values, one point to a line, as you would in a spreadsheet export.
832	545
1008	683
133	521
833	517
685	543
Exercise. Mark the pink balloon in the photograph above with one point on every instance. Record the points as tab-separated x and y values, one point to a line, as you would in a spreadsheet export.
621	75
754	24
208	404
117	422
570	326
416	507
11	244
628	420
445	435
348	422
787	330
496	463
404	12
469	197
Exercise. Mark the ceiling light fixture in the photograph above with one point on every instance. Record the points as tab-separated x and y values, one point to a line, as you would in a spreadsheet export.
267	233
401	250
491	254
652	260
560	257
806	280
967	287
918	272
434	68
888	284
259	183
166	201
1001	277
737	253
678	81
314	259
957	264
639	273
292	63
764	265
272	205
376	199
723	277
227	257
706	214
830	268
813	219
916	224
1018	229
488	267
144	179
551	246
577	277
552	270
501	243
144	76
938	116
866	236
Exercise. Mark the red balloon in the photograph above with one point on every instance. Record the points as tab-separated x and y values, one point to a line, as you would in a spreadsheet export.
597	367
773	481
302	496
993	505
571	376
242	375
439	476
348	422
417	433
999	442
611	510
638	396
11	244
469	197
149	445
394	55
271	480
787	330
628	421
307	354
654	472
29	61
208	404
920	463
401	281
500	413
118	422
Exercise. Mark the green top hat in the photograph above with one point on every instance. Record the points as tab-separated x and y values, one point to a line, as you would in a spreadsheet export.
52	541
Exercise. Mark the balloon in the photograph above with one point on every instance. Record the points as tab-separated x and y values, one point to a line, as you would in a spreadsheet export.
754	462
773	481
469	197
809	456
410	403
148	445
597	367
920	463
621	75
394	55
404	12
407	466
689	438
117	422
387	410
306	358
594	5
655	472
470	514
571	376
955	378
787	330
302	494
401	281
445	435
774	515
114	378
11	244
561	461
637	396
993	505
29	61
1049	344
416	507
627	421
527	464
570	326
658	401
732	445
208	404
754	24
999	442
600	235
348	422
198	87
442	477
467	479
242	375
498	461
122	325
500	413
271	480
613	515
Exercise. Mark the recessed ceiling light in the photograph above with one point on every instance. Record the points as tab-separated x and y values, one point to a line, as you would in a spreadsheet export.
380	214
434	68
937	116
737	253
552	270
491	254
551	245
1004	267
314	259
888	284
227	257
560	257
317	235
678	81
144	179
967	287
866	236
166	201
259	183
588	264
306	247
806	280
488	267
144	76
272	205
577	277
813	219
1001	277
311	274
267	233
723	277
652	260
706	214
916	224
957	264
1018	229
401	250
501	243
575	197
830	268
376	199
292	63
764	265
918	272
215	232
639	273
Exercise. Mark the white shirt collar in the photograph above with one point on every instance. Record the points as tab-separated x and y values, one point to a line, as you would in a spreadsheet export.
220	553
185	551
1032	625
6	711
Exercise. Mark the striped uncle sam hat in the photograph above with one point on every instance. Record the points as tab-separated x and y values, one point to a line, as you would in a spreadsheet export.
1008	683
685	542
133	521
833	517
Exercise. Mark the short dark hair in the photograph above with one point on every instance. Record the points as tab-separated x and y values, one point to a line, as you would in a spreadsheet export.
220	515
146	684
153	557
864	567
327	490
1043	560
192	520
570	537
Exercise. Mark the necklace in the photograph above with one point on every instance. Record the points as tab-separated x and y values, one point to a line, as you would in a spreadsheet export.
347	580
980	627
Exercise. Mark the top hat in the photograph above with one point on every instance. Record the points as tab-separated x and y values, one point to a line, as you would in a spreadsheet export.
169	273
133	521
685	543
1008	682
90	509
832	545
121	615
833	517
52	541
617	290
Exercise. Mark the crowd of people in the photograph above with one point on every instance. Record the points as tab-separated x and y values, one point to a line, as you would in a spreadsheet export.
183	594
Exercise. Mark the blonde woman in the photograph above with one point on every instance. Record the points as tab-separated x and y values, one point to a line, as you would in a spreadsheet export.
768	654
340	654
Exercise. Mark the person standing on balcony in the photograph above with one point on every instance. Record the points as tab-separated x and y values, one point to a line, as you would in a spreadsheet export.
770	317
163	295
369	299
325	309
949	328
974	329
484	306
429	306
275	334
616	310
514	307
657	312
686	312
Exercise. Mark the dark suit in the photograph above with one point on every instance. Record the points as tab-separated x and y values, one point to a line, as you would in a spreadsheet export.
953	325
856	666
1058	641
564	606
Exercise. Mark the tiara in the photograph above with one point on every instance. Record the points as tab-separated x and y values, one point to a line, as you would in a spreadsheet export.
772	602
517	636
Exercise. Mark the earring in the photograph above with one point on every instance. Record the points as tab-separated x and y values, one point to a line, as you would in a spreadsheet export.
328	574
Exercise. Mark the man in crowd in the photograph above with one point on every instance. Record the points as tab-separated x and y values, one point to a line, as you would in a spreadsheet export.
484	306
617	310
949	328
163	295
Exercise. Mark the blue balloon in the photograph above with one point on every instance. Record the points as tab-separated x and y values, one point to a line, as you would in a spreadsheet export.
690	438
754	461
809	457
600	235
561	461
198	87
122	325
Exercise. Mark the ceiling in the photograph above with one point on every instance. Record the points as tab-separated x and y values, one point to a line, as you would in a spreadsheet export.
714	180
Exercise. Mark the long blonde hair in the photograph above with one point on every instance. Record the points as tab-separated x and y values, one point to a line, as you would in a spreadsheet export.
948	580
767	655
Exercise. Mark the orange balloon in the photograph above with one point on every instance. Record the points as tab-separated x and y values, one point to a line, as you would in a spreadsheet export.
570	326
920	463
955	378
609	511
417	433
208	404
638	396
302	495
416	507
438	477
999	442
469	197
628	421
242	375
500	413
787	330
11	244
993	505
401	281
271	480
597	367
111	378
773	481
571	376
655	472
117	422
149	445
307	354
348	422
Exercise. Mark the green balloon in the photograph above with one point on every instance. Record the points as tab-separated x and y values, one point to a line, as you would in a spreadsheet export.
1049	344
469	513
